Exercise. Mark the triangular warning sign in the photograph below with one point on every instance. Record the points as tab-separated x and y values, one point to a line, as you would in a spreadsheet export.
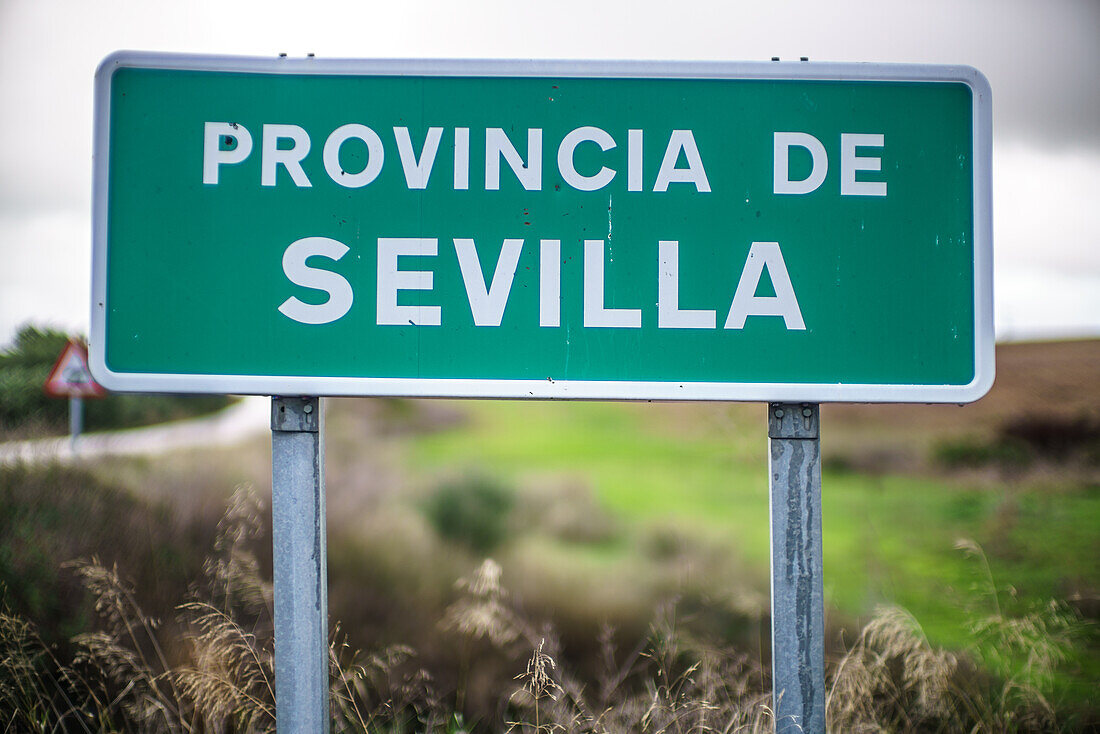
70	376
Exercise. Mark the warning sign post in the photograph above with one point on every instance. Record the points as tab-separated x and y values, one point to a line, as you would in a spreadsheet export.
70	378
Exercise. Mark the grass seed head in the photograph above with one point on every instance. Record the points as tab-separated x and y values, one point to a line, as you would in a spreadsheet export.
481	612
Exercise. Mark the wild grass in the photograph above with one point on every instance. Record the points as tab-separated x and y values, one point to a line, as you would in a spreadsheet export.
891	678
127	675
39	693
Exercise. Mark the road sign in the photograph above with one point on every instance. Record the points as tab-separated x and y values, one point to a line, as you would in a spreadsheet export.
774	231
70	376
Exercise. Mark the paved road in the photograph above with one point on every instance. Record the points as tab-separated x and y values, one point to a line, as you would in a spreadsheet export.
246	418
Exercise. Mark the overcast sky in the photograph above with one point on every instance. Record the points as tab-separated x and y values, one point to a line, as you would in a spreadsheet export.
1042	60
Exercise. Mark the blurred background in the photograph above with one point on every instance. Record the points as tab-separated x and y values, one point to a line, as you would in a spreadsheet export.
961	544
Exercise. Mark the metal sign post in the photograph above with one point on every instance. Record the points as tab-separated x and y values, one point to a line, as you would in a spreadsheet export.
76	419
798	608
300	564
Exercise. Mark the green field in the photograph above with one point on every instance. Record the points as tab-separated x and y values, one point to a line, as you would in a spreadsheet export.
887	539
952	546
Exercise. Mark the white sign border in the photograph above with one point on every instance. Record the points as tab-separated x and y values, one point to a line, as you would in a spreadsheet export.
982	136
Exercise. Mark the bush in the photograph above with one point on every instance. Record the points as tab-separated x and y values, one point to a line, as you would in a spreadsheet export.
1025	439
24	368
26	411
54	514
473	511
973	453
1056	437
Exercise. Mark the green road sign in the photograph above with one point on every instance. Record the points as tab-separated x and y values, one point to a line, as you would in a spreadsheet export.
775	231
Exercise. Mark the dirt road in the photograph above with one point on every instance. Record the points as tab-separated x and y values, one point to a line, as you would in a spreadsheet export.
245	418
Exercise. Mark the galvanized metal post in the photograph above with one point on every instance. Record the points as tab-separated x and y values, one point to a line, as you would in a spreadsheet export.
300	565
798	606
76	420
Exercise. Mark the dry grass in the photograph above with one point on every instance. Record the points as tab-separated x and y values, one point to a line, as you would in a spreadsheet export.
891	679
480	613
538	690
38	693
227	676
671	682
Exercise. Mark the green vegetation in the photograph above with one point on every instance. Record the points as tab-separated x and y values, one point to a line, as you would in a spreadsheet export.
974	452
27	412
595	515
472	511
1024	441
887	539
53	515
212	668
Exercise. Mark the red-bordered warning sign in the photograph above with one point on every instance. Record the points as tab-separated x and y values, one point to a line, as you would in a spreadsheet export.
70	377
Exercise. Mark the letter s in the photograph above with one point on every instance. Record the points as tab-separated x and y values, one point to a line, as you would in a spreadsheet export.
339	291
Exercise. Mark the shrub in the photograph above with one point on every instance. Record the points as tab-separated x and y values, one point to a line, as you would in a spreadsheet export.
25	410
973	453
1026	439
52	514
473	511
1056	437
